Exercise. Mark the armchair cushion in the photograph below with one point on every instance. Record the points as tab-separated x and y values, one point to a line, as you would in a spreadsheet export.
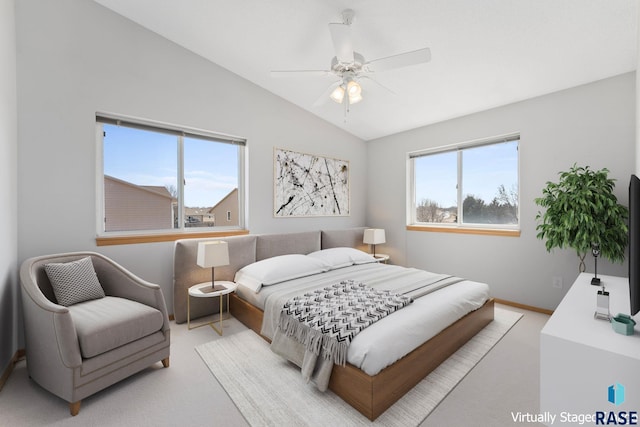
110	322
74	281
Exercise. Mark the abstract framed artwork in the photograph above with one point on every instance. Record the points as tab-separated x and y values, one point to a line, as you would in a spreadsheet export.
309	185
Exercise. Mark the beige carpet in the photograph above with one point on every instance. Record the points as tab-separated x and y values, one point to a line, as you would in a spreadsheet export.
269	391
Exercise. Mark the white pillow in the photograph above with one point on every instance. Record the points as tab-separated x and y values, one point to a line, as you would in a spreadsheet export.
342	257
278	269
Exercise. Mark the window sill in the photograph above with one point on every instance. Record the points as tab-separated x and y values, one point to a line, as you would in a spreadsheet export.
164	237
465	230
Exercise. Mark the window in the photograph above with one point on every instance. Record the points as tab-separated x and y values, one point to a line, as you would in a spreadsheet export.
470	185
158	177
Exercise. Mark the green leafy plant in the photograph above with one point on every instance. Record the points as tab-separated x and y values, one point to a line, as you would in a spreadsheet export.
582	210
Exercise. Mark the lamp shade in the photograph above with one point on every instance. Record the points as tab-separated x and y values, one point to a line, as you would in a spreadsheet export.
213	254
374	236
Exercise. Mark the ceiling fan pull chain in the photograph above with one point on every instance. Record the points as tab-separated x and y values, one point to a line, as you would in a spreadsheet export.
346	108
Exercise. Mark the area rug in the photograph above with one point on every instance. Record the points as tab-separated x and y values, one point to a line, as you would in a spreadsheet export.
269	391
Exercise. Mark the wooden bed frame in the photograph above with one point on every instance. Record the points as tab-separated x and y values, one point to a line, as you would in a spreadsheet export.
372	395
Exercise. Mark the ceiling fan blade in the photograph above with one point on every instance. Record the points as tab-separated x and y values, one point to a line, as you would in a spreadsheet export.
342	44
300	73
406	59
380	85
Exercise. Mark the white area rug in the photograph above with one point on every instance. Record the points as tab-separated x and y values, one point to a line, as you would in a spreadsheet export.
269	391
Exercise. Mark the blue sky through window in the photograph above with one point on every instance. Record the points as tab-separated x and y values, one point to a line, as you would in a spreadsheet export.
151	158
484	168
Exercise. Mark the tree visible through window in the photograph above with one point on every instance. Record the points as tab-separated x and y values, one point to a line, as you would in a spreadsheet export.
167	179
467	185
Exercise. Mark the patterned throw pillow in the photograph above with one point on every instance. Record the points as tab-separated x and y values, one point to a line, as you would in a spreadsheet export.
74	282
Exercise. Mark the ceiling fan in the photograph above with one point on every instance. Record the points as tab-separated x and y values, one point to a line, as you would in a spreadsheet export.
350	67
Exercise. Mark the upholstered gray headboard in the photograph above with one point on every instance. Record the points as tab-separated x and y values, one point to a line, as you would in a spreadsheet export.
244	250
270	245
349	238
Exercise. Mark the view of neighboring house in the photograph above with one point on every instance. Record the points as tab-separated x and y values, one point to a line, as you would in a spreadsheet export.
198	217
222	214
225	212
135	207
128	206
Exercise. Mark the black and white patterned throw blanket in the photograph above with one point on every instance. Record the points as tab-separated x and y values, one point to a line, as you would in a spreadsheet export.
326	320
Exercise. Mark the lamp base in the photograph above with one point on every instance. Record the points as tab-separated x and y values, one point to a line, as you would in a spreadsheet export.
595	281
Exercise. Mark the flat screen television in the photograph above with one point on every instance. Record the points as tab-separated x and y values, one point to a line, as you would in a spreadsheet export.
634	244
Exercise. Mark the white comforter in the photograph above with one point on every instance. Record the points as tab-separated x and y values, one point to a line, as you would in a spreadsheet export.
391	338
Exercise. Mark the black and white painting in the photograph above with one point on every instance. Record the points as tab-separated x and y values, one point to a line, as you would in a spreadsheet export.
310	185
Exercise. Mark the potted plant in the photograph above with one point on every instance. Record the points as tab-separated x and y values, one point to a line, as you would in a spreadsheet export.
582	212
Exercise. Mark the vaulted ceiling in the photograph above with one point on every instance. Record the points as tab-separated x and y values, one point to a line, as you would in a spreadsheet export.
485	53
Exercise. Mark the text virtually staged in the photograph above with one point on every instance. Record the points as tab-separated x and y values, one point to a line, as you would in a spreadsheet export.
614	396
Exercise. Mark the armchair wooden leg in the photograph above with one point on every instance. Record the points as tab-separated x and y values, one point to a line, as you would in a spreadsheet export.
74	407
165	362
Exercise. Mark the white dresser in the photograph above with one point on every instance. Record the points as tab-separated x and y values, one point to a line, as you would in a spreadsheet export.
581	357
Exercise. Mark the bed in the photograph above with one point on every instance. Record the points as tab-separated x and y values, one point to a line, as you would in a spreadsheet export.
370	388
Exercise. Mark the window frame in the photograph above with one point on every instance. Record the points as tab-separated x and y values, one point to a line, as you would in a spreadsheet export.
468	228
104	237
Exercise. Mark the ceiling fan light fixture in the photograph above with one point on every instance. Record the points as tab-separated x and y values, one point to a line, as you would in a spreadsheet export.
353	88
354	99
338	94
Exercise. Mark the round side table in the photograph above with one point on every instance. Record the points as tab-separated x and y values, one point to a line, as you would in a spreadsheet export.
205	290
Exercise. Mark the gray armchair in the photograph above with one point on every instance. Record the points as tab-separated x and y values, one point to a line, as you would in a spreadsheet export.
76	351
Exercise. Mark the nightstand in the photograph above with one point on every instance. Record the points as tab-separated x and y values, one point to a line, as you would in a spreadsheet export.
204	290
382	258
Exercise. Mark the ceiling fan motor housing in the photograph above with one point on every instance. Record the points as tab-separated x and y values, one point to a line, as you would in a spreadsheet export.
340	67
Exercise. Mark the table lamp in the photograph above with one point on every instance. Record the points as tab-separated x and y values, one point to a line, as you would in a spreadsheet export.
374	236
213	254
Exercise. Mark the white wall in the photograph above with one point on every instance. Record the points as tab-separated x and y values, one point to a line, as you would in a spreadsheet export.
9	192
590	125
75	58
